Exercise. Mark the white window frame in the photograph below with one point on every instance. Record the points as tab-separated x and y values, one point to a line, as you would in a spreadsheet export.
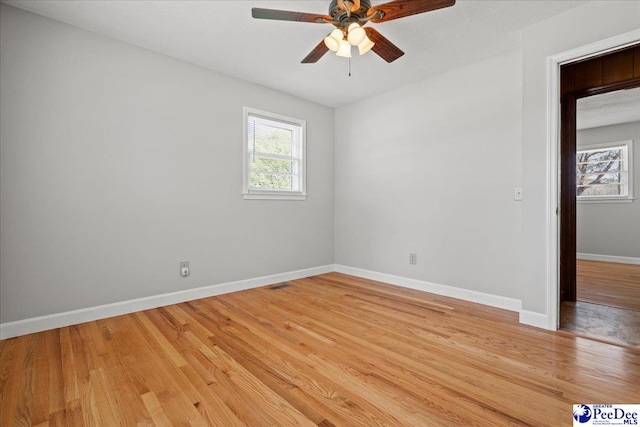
629	164
249	193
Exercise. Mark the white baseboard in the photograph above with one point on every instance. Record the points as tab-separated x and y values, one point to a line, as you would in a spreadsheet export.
511	304
532	318
58	320
609	258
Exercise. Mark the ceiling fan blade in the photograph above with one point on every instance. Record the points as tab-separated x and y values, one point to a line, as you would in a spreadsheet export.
287	15
383	47
401	8
317	53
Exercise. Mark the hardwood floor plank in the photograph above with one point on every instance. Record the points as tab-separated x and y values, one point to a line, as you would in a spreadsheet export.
429	367
293	369
331	350
55	396
212	409
277	408
101	400
608	283
126	399
284	382
154	407
70	378
165	380
175	357
221	384
41	379
24	409
334	386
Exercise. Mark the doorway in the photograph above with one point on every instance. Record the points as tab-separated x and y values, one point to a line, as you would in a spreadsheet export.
607	302
587	83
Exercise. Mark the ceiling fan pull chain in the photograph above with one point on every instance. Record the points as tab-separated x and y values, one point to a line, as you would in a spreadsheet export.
349	66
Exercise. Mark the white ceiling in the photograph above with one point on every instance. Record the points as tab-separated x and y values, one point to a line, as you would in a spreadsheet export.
222	36
622	106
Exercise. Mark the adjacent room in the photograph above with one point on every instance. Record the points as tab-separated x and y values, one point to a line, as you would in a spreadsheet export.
327	212
607	302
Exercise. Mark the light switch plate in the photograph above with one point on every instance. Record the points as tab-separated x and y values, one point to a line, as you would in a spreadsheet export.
517	193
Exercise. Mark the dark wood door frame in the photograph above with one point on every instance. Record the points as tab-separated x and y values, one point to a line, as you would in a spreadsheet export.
597	75
568	198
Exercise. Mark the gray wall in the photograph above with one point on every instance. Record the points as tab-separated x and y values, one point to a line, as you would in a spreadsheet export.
431	169
611	228
117	163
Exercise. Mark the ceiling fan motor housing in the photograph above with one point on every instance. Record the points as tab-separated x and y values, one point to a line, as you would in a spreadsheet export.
340	15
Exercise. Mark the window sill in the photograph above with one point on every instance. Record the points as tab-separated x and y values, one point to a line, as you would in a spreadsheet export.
603	200
275	196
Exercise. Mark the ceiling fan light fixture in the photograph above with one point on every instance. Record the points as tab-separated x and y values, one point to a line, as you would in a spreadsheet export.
355	34
365	45
332	41
345	49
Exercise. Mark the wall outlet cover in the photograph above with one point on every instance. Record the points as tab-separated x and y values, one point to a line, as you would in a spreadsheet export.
413	259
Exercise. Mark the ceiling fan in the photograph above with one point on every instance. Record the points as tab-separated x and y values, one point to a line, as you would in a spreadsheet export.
349	17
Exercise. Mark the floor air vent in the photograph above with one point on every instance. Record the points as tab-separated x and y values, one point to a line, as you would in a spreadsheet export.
276	287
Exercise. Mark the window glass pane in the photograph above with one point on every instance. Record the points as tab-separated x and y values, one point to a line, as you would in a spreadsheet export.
259	164
601	190
600	155
272	140
606	166
271	147
602	172
600	178
271	181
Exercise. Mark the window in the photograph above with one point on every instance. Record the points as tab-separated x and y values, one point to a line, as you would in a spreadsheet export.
604	172
274	156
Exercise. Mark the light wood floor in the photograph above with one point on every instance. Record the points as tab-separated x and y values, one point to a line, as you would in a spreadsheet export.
328	350
608	283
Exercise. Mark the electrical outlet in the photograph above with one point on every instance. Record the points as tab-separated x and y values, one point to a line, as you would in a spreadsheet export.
413	259
184	268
